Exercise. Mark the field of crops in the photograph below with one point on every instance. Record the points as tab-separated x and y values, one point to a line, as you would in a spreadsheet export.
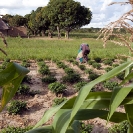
61	49
52	63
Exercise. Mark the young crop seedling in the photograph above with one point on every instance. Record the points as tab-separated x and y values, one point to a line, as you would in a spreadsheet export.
17	107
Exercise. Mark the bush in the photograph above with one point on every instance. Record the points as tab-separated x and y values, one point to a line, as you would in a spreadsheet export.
79	85
89	71
108	62
25	64
93	76
71	78
82	67
119	128
23	89
61	65
121	75
90	62
27	79
97	59
15	129
68	70
44	70
49	79
58	101
110	85
57	87
96	65
84	128
16	107
107	69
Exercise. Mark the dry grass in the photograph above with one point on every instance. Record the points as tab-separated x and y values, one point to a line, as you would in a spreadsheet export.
124	22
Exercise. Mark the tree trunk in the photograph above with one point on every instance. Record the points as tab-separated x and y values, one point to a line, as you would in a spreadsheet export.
59	35
67	34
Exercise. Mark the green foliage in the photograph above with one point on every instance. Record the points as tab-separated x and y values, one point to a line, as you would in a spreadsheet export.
96	65
111	85
89	71
119	128
107	69
16	107
97	59
68	70
93	76
121	75
58	101
79	85
25	63
71	78
61	64
27	79
23	89
85	128
49	79
10	79
10	129
82	67
57	87
90	62
108	62
44	70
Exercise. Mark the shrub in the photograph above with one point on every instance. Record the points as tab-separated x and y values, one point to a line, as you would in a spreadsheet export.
96	65
85	128
16	107
25	64
89	71
75	63
44	70
121	75
61	65
82	67
68	70
39	59
108	62
71	78
110	85
97	59
93	76
15	129
58	101
23	89
49	79
107	69
79	85
57	87
90	62
119	128
27	79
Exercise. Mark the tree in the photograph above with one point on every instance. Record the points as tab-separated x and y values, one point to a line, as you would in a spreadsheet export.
16	20
68	15
88	105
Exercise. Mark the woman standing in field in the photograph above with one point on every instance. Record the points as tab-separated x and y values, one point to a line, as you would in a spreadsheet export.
83	53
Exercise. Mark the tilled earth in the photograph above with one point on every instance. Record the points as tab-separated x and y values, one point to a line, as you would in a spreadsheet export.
38	104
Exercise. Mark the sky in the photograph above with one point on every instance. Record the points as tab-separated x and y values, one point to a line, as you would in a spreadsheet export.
102	13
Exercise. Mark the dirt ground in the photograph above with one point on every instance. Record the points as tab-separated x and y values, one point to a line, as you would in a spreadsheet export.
38	104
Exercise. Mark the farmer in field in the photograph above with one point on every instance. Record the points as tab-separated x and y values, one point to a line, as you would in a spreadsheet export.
83	53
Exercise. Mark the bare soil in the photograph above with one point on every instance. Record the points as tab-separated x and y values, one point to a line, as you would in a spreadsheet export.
38	104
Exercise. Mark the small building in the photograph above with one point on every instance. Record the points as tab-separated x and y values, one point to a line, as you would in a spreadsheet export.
4	28
12	31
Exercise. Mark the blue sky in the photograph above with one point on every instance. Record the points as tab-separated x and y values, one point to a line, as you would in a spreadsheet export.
102	13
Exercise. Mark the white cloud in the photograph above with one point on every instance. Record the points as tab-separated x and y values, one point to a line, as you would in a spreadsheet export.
102	13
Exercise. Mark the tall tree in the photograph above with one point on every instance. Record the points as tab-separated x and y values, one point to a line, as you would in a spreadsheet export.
68	15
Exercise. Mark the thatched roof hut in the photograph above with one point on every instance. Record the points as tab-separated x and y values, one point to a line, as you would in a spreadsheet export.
4	27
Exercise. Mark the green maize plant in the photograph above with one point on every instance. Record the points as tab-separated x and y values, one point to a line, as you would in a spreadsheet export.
88	105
